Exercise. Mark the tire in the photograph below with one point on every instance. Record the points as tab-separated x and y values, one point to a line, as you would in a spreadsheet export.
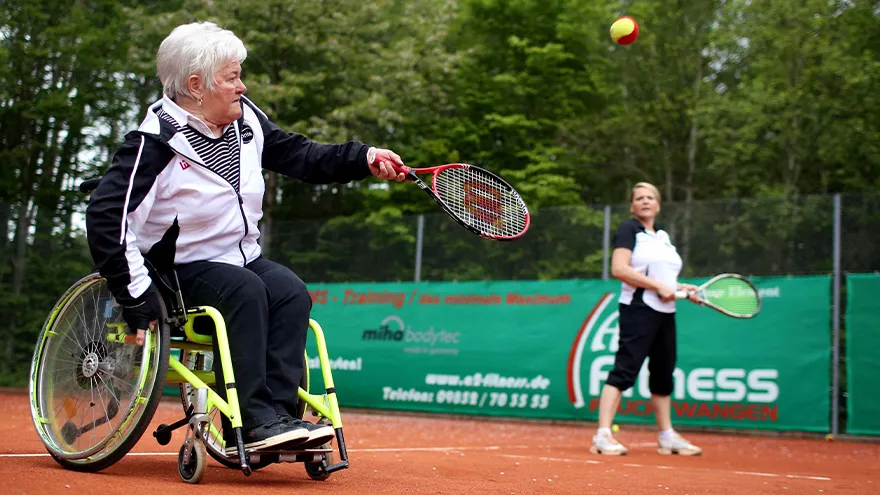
91	397
203	361
193	471
318	470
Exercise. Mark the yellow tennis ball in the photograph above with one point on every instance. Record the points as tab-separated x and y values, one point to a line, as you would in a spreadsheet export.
615	428
624	30
829	437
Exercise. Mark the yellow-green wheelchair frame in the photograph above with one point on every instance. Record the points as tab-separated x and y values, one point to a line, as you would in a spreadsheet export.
192	455
324	405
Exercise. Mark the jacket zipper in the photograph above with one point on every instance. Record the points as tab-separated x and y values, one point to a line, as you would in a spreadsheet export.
240	199
241	208
237	194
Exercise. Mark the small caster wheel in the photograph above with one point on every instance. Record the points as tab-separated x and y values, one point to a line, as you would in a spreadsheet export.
162	435
318	470
192	460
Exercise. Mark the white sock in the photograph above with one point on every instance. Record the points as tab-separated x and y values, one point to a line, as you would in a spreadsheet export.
604	431
667	434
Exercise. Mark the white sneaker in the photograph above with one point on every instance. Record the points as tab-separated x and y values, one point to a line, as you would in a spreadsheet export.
677	445
604	443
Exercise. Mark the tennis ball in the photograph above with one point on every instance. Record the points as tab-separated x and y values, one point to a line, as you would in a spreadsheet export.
829	437
624	30
615	428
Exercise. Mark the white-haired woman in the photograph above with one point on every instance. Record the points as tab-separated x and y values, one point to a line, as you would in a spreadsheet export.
185	190
647	264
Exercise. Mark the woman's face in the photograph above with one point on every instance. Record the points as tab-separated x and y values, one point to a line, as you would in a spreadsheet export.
222	106
645	204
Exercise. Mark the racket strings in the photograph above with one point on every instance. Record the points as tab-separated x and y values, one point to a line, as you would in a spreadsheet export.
734	295
481	201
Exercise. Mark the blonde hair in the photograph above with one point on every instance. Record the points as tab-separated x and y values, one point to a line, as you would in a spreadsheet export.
647	186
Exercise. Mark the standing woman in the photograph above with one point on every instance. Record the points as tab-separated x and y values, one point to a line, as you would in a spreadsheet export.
647	264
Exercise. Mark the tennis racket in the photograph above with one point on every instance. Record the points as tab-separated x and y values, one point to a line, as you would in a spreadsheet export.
729	294
477	199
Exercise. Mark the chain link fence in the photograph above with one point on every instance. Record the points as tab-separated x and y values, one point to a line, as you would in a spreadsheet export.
860	234
754	237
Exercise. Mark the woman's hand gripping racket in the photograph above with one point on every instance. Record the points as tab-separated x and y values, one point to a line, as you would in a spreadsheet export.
477	199
729	294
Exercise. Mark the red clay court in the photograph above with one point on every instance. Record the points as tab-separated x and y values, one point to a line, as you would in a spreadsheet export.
407	454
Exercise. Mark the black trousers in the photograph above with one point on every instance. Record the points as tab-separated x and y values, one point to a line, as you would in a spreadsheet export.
266	309
645	333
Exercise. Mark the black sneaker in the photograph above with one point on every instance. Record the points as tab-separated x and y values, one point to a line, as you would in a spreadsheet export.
272	434
318	434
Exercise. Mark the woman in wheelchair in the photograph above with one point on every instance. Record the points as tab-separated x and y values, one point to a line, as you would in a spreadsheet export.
184	193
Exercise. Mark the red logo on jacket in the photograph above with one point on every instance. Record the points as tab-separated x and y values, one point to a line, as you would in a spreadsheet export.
184	165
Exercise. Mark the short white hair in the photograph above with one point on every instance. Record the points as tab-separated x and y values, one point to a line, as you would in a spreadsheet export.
199	48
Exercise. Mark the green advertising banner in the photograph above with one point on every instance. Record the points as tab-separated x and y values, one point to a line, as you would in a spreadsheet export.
862	358
544	350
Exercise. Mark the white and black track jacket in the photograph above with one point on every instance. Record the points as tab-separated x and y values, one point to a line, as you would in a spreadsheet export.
161	201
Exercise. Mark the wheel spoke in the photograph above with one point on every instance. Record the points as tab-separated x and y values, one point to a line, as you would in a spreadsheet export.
86	381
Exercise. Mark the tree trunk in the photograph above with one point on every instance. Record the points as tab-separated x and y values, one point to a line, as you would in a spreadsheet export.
45	195
52	184
667	165
792	143
25	216
8	354
26	211
266	233
19	258
692	166
270	203
5	210
112	145
629	159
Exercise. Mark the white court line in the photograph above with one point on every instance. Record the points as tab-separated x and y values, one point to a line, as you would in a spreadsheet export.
128	454
752	473
438	449
388	449
557	459
817	478
490	447
792	476
589	461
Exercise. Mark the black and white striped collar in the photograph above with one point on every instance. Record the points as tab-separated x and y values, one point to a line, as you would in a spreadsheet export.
184	118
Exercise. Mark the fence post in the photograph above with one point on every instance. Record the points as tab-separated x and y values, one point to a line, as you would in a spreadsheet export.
420	234
606	243
835	360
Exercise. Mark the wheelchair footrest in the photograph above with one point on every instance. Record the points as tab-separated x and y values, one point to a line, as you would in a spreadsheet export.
307	456
253	452
336	467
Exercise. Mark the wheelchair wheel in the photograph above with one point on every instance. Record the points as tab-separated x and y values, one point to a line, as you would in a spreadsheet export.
93	389
191	461
214	443
318	470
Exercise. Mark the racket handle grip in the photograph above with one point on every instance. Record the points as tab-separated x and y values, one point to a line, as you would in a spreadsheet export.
400	169
682	294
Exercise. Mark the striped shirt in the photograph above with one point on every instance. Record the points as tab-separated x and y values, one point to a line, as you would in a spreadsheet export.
220	155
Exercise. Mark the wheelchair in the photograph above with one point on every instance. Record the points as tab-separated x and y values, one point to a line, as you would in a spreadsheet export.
94	389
